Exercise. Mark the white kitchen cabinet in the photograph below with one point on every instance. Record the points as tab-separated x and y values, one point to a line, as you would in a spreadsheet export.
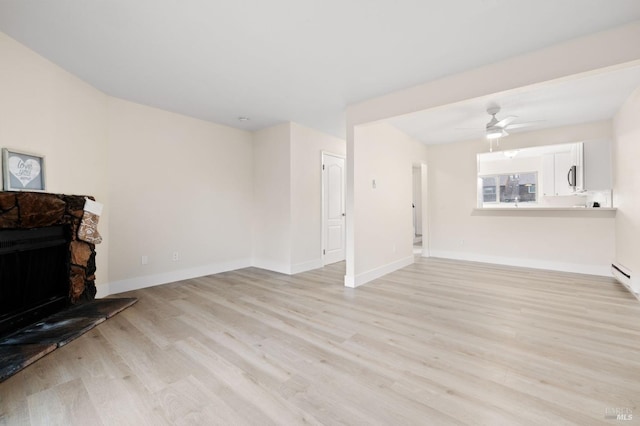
557	177
597	165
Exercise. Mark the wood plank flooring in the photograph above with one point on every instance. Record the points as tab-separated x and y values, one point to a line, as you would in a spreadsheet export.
437	343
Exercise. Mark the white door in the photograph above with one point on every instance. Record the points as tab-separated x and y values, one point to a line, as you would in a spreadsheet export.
333	208
417	203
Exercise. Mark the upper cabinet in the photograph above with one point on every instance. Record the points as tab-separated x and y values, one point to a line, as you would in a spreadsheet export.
563	171
597	165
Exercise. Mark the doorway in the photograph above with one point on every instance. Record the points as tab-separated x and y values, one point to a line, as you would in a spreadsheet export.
419	205
333	208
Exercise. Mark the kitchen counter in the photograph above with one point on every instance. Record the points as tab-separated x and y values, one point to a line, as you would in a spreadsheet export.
557	209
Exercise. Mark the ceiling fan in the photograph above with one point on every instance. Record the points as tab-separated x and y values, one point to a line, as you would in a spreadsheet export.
495	128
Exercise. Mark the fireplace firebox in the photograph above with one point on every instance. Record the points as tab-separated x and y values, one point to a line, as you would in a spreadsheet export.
34	275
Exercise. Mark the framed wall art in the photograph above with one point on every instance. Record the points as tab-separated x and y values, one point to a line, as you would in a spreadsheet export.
22	171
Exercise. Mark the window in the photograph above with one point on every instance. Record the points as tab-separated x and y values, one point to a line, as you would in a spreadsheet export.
510	188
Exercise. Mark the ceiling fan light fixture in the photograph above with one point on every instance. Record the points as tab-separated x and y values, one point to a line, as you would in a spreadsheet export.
496	132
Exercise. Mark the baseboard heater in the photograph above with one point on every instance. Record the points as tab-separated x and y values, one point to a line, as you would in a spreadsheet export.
623	275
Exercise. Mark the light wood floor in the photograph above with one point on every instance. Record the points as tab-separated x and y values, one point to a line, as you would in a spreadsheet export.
437	343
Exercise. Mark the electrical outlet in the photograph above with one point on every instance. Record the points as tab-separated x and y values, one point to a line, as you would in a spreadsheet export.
176	256
144	260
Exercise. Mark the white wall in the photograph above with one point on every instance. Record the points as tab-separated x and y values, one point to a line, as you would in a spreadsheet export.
626	181
288	197
307	146
382	216
272	198
176	184
578	242
47	111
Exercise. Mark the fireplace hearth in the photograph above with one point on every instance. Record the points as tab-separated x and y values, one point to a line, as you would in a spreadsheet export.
47	277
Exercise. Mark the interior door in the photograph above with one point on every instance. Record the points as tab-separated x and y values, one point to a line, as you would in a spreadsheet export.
333	208
417	204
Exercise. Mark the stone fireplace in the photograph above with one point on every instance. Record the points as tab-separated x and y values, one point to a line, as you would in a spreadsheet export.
58	217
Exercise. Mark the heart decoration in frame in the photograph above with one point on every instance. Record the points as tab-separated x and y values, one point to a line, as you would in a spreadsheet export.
22	171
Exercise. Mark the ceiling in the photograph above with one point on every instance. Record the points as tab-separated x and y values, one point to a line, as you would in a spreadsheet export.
575	100
290	60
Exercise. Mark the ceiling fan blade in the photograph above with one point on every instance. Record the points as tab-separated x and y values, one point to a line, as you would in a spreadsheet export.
505	121
520	125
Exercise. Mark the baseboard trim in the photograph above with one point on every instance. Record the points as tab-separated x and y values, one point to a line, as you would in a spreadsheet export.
136	283
102	290
270	265
365	277
600	270
306	266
